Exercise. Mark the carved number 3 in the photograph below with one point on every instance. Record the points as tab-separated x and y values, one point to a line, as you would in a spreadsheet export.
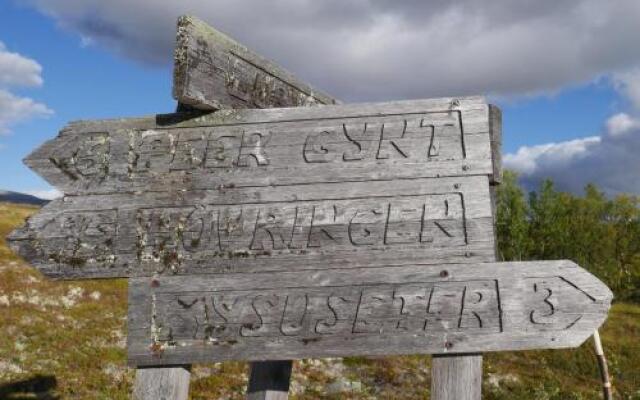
546	316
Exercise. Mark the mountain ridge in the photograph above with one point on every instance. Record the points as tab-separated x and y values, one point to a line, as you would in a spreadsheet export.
21	198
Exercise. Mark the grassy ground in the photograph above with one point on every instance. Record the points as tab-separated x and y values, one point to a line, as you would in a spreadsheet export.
66	340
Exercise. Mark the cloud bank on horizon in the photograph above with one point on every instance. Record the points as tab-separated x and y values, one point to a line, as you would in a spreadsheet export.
611	160
383	49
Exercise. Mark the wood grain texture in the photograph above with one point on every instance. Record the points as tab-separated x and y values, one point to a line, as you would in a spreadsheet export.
182	152
495	127
456	377
212	71
350	224
363	311
167	383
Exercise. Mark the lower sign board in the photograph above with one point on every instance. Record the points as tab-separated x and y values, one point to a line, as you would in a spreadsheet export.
455	308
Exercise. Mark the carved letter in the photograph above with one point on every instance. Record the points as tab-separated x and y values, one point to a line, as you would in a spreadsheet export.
150	151
189	152
82	239
273	228
317	147
301	227
231	313
414	304
329	226
343	308
269	309
406	219
180	317
480	307
236	227
363	138
253	147
222	150
367	226
88	161
295	314
445	307
444	220
377	312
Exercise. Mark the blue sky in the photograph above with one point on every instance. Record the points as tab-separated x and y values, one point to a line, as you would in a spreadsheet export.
563	124
80	82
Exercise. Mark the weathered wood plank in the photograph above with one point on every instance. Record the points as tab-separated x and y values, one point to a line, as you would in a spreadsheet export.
456	377
432	220
167	383
364	311
495	127
212	71
381	141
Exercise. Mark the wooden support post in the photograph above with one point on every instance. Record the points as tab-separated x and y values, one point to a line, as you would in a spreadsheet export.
456	377
269	380
170	383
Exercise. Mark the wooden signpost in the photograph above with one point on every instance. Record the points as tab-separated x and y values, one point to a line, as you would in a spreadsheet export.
276	234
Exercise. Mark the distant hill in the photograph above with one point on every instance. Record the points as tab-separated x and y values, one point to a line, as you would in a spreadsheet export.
21	198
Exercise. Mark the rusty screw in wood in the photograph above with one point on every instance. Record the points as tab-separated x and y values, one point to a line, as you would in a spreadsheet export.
448	345
465	167
456	186
444	273
155	283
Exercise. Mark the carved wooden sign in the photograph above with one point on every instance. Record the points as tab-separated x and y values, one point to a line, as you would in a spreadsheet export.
406	309
273	228
212	71
256	190
240	148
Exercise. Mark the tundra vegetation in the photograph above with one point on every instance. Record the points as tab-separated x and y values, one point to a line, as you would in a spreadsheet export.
66	339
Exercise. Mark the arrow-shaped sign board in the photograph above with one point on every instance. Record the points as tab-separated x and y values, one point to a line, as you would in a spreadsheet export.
212	71
256	190
256	148
408	309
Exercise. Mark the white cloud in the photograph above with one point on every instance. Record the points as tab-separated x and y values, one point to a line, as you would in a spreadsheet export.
610	161
384	49
14	109
47	194
528	159
628	83
621	124
17	70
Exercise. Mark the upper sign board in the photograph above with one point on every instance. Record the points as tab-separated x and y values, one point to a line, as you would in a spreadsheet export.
254	148
212	71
